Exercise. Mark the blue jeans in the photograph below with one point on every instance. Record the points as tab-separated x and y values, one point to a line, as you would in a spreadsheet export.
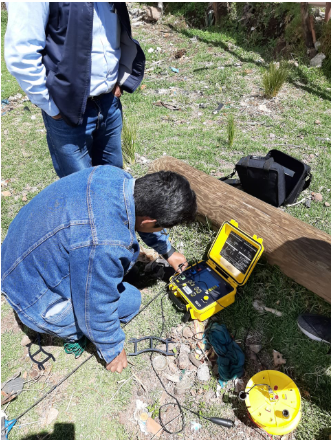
96	142
128	306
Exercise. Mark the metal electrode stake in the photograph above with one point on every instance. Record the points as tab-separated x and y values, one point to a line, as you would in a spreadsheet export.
226	423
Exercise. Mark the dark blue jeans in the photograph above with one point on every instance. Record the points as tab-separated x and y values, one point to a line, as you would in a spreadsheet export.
96	142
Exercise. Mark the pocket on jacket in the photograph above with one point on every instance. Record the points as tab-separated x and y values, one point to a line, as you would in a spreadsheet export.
60	313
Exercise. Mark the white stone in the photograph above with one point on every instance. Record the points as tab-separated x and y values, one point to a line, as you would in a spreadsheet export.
317	60
203	373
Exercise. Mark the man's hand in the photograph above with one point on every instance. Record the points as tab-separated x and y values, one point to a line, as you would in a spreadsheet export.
176	259
117	91
119	363
57	116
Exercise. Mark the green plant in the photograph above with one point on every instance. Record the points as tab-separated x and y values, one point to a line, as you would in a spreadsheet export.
325	48
154	409
274	78
230	130
129	137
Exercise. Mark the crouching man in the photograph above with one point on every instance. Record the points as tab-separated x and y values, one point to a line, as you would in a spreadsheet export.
67	251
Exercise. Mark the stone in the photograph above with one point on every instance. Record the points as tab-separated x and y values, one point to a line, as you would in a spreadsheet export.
307	203
318	45
277	358
210	395
172	366
256	348
25	341
50	416
326	204
183	361
203	373
239	385
317	60
159	363
272	136
194	361
258	305
263	108
183	386
317	197
152	14
187	333
317	122
184	349
174	378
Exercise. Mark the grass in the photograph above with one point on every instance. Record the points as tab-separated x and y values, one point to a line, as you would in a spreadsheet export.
217	70
274	79
230	130
129	137
8	86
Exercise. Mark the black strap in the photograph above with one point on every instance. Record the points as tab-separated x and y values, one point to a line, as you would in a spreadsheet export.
169	253
229	175
266	167
246	160
268	164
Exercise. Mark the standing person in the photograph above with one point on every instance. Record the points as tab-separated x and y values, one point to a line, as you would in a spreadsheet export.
66	252
73	60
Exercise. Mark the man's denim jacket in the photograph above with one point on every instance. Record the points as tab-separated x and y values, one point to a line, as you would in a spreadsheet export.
74	242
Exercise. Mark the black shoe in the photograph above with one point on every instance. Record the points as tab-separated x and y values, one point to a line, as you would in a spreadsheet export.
316	327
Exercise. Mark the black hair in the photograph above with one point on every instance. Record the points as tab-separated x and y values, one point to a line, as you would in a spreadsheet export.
166	197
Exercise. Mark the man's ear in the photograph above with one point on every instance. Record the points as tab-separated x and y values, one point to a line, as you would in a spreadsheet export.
148	221
145	221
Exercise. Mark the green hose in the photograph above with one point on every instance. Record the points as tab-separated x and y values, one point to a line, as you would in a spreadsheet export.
76	348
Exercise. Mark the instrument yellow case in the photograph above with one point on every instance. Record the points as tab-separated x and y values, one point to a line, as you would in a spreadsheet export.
209	286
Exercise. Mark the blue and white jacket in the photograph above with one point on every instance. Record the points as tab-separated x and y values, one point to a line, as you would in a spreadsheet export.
60	34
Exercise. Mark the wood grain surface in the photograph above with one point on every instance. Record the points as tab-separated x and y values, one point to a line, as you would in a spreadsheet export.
301	251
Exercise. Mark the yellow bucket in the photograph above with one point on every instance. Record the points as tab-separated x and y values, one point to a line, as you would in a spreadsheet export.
273	402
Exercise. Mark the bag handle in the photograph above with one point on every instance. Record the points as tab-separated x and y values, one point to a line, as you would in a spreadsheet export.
268	164
266	167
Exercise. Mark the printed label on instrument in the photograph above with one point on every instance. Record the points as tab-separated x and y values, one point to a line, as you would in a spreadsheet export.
187	290
238	252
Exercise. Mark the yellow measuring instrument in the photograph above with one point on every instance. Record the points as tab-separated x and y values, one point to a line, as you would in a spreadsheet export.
207	287
273	402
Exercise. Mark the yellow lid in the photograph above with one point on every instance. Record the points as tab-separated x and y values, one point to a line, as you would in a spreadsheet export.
236	252
279	412
144	416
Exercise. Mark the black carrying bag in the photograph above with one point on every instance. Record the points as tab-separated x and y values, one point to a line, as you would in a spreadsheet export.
276	178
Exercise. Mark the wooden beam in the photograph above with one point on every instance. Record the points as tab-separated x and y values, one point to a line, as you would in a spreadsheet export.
302	252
